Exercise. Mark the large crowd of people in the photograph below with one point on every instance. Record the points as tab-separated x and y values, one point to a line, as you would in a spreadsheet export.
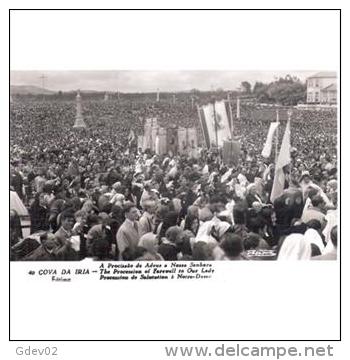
93	194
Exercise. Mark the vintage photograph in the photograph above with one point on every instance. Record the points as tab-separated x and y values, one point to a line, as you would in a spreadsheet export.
173	165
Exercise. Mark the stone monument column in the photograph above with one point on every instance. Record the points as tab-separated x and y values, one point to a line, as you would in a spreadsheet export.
79	121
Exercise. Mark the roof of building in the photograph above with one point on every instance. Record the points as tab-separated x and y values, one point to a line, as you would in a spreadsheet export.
324	74
331	87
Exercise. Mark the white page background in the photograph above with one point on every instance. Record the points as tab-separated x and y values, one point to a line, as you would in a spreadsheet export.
304	296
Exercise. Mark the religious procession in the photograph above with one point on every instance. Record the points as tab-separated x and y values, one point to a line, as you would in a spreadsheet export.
194	175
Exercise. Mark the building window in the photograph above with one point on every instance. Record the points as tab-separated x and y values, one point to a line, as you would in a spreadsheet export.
309	97
310	83
317	97
317	83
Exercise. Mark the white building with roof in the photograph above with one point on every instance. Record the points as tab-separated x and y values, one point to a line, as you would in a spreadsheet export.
322	88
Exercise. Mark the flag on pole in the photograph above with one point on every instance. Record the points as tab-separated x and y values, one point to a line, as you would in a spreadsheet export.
282	160
223	122
203	125
268	144
215	123
224	117
238	110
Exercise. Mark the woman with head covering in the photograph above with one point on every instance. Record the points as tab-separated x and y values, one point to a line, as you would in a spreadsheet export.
295	247
191	221
212	232
330	251
313	237
118	199
332	186
149	242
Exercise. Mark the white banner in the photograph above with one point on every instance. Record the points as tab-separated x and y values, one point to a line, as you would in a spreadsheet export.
221	132
268	144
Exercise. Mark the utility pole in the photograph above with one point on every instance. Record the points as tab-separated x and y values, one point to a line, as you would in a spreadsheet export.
43	78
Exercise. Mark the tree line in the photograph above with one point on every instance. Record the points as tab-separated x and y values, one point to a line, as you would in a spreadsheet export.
283	91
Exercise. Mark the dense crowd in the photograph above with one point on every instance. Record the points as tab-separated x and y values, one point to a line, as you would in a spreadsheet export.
93	194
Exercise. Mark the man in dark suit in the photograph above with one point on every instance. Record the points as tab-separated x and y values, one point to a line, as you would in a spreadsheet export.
128	234
288	206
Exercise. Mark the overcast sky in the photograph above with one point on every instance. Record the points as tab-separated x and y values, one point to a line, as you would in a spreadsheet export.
146	81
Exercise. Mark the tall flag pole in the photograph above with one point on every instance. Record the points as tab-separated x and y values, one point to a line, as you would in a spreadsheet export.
238	112
283	160
215	124
231	115
204	127
276	139
266	152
